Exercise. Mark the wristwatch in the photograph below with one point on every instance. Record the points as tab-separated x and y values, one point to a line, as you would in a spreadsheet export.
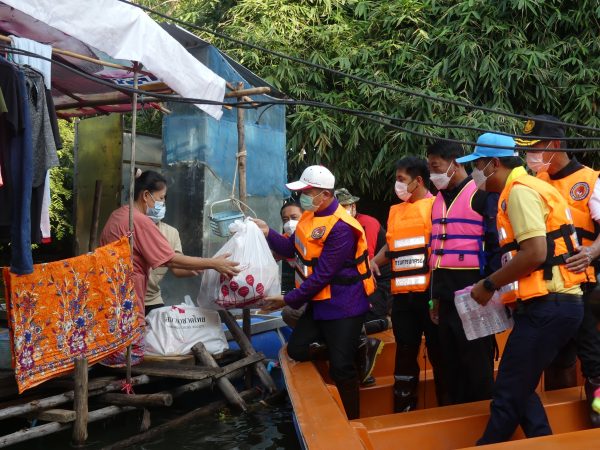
489	285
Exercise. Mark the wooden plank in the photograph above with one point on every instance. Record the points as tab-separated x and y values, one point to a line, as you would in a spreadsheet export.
231	371
55	415
187	360
229	391
178	371
138	400
55	400
53	427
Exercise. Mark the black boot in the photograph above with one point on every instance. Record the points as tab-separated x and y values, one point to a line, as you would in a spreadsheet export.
349	393
591	384
560	377
366	355
405	393
318	352
376	326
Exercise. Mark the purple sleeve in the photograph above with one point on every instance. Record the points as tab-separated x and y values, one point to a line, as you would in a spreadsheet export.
335	252
280	244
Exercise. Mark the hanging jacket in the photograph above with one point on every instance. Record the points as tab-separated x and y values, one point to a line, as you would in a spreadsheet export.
577	189
408	235
310	237
560	237
457	232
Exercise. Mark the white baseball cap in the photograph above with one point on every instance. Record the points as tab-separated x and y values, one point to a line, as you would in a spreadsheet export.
313	177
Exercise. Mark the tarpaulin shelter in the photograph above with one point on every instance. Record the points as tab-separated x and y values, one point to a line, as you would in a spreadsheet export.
111	31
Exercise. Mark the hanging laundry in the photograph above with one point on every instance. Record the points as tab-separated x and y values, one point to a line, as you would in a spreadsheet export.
79	307
17	153
45	219
41	65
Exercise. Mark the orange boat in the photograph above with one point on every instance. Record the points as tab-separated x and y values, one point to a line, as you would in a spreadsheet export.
321	421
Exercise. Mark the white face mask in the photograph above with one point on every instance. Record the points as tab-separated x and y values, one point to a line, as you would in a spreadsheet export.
401	190
535	161
441	180
479	176
290	226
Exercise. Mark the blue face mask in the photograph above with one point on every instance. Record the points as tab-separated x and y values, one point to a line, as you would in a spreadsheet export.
157	212
306	202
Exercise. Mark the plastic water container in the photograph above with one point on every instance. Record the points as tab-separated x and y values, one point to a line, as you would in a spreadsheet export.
479	321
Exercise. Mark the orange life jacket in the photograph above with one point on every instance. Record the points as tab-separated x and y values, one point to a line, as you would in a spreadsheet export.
408	235
560	237
577	189
310	237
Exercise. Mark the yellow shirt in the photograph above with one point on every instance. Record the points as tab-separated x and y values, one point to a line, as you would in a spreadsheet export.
527	214
153	294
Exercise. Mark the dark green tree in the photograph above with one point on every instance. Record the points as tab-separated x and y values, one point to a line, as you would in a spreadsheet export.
523	56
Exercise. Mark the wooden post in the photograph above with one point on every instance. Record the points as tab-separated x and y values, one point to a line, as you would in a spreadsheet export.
246	346
134	101
241	154
95	216
229	391
241	166
80	404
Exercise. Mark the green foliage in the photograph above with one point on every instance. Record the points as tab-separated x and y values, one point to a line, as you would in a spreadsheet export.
61	185
524	56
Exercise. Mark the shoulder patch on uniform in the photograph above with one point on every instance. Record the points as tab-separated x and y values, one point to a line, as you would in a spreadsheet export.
580	190
318	233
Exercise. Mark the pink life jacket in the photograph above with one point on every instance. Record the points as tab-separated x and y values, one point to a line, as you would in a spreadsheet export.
457	232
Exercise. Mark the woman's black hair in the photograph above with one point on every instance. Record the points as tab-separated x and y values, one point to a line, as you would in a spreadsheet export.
290	202
148	181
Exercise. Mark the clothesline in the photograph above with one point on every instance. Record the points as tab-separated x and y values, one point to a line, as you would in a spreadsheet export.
71	54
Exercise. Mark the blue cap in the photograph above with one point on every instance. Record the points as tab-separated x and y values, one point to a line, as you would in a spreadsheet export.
483	151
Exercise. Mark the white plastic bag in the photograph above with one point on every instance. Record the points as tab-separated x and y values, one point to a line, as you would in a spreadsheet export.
174	330
479	321
259	276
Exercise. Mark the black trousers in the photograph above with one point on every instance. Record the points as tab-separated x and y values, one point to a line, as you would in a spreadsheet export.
585	344
468	366
341	337
410	321
381	302
542	326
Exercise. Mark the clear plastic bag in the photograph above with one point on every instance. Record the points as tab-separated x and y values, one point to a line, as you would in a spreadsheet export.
258	278
479	321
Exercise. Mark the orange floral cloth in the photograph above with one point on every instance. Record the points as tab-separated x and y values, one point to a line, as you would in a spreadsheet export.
82	306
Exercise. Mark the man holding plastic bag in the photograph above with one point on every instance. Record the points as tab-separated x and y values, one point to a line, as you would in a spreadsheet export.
334	280
536	236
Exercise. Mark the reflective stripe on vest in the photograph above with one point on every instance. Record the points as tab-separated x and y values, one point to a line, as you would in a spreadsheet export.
408	234
577	188
457	232
310	237
561	241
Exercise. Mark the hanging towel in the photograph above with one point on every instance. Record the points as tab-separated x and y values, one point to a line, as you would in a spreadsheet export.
45	218
41	65
79	307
